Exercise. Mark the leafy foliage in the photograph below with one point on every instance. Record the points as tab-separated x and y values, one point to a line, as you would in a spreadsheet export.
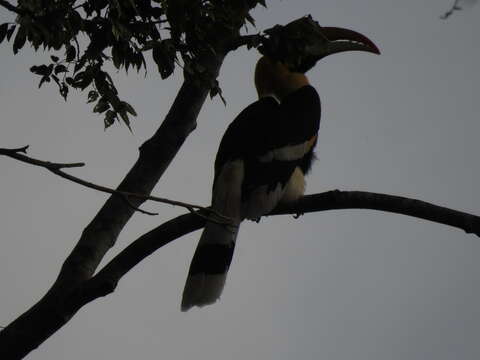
187	33
92	33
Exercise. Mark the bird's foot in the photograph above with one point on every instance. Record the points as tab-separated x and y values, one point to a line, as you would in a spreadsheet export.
298	214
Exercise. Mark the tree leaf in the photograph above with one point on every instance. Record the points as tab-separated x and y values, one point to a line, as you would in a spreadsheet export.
82	80
69	80
39	70
80	64
250	19
70	53
117	56
92	96
217	90
101	106
20	39
60	69
138	60
55	78
3	31
44	79
126	120
109	118
10	32
64	91
129	108
164	56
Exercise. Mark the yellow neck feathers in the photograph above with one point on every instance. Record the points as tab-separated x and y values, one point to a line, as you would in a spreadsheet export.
274	78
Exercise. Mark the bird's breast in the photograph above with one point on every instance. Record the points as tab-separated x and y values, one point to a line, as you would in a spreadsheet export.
295	187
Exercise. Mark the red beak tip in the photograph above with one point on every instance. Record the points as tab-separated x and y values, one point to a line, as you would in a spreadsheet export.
377	51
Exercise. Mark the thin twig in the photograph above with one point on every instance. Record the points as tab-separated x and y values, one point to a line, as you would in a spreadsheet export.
136	208
12	8
16	154
56	168
454	8
249	40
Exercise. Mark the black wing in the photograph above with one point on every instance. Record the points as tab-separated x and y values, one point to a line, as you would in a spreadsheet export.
266	126
248	135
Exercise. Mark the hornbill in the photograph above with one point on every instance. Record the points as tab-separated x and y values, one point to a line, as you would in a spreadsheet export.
262	160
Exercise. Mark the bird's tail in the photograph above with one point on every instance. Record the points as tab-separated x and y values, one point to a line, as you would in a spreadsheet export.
209	266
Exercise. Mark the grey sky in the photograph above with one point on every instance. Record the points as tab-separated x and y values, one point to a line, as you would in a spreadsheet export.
336	285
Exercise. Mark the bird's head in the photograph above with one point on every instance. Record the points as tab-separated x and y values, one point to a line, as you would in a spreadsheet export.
281	71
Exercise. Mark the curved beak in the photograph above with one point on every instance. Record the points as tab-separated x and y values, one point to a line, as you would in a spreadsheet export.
340	40
302	42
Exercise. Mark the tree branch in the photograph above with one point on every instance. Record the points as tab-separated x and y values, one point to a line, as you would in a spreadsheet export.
16	154
337	200
108	277
455	7
56	169
48	315
248	40
155	157
58	306
106	280
54	315
11	7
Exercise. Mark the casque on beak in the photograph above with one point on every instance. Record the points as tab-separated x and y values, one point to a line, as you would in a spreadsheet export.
340	40
301	43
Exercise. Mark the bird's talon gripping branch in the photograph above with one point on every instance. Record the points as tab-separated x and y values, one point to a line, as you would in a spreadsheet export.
297	215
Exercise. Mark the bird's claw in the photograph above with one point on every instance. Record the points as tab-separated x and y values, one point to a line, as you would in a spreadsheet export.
298	214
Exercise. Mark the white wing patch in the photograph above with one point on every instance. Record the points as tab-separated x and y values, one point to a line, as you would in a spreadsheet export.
295	187
227	197
289	152
262	200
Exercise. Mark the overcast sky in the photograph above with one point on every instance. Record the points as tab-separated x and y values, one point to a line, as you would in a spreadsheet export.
342	285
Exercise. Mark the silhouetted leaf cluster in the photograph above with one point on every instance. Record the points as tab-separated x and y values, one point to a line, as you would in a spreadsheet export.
92	33
185	33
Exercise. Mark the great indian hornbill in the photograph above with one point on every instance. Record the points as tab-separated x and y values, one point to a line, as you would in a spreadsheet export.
262	160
